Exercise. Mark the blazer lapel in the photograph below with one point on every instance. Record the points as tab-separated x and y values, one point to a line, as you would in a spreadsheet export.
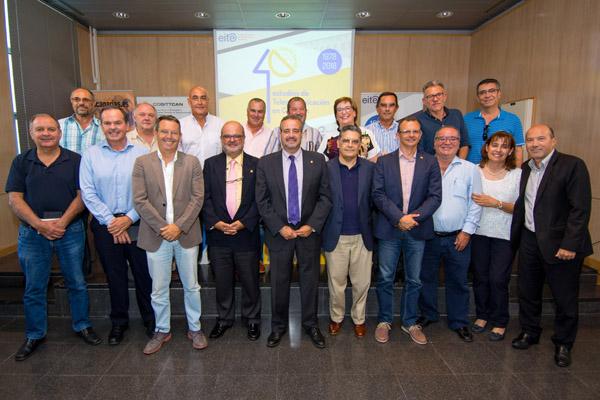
417	176
221	178
546	176
177	172
247	172
307	164
336	182
278	172
363	189
158	174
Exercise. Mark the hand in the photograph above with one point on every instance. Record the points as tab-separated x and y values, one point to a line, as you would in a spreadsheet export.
119	225
123	238
565	255
407	222
225	228
462	240
51	230
170	232
485	201
288	233
237	225
304	231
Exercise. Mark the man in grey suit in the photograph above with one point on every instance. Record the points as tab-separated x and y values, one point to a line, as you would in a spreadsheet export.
168	191
294	199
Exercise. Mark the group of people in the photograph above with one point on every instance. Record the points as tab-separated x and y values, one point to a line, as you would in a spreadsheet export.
433	188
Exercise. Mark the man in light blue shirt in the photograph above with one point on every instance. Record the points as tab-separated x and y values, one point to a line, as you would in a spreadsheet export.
386	128
105	179
454	223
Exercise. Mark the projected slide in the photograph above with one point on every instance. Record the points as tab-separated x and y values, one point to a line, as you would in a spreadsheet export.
277	65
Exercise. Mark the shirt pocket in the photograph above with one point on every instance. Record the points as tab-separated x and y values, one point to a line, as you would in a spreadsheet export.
459	189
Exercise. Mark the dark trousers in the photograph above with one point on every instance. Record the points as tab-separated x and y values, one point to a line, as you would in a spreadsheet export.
563	279
491	262
225	262
114	259
307	252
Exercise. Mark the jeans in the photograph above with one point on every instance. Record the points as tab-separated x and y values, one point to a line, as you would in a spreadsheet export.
456	267
35	256
159	265
389	253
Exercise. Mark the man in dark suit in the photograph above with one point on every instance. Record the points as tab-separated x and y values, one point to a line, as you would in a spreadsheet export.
550	229
348	236
407	189
293	198
231	218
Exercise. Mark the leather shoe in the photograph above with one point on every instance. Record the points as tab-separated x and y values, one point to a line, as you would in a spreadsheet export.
253	331
562	356
218	330
274	339
524	340
334	328
424	322
116	334
316	337
360	330
464	334
27	348
89	336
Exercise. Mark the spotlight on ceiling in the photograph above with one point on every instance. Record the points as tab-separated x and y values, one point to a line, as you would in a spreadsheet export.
445	14
363	14
282	15
201	14
120	14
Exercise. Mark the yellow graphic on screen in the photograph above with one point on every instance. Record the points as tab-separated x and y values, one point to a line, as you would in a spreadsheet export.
282	62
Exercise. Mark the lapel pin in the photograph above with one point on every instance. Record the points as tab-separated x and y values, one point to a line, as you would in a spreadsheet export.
311	161
251	171
421	157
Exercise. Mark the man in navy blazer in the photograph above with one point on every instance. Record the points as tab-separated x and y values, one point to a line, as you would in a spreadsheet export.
293	199
347	236
407	189
231	217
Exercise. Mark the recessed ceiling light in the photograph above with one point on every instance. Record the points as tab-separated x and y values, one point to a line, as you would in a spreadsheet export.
445	14
363	14
201	14
282	15
120	14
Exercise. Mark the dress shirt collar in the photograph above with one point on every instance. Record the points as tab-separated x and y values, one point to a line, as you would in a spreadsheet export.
239	159
543	164
160	156
406	157
287	155
128	145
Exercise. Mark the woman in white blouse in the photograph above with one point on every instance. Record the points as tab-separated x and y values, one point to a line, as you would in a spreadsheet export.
491	253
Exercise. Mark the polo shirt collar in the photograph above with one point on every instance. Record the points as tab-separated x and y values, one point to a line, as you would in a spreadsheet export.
446	110
63	156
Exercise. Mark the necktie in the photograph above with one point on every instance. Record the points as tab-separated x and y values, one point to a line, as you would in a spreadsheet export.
293	204
231	195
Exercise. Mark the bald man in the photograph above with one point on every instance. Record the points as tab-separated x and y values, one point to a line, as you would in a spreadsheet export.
550	230
231	218
144	116
200	131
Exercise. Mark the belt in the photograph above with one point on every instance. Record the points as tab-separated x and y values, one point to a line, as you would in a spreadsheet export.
446	234
117	215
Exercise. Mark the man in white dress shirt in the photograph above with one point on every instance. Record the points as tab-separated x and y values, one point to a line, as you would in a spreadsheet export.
256	133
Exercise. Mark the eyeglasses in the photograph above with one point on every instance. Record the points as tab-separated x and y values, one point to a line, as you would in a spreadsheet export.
341	109
451	139
286	131
232	137
81	100
434	95
408	132
485	132
489	91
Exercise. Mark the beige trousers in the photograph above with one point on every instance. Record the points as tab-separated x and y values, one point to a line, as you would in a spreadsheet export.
350	257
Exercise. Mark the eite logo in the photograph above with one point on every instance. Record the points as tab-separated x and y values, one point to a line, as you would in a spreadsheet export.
228	37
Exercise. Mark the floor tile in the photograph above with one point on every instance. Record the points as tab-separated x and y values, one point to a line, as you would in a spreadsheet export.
242	387
182	387
425	387
123	387
496	386
559	386
414	359
465	358
83	359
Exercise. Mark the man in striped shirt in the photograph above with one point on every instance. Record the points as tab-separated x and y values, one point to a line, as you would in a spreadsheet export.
386	128
82	129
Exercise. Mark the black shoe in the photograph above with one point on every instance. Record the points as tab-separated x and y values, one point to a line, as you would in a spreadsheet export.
424	322
316	337
495	336
89	336
464	334
150	328
562	356
27	348
116	334
478	328
524	340
218	330
274	339
253	331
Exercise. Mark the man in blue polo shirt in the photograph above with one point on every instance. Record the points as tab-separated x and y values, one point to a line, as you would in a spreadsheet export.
50	221
490	118
436	115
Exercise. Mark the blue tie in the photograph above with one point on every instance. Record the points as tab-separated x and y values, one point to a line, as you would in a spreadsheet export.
293	206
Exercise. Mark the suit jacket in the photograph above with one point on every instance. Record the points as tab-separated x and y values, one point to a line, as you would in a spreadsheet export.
215	207
562	208
333	225
271	200
151	204
425	195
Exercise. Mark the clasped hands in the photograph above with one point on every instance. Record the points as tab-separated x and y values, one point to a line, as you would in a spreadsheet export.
118	229
288	233
229	229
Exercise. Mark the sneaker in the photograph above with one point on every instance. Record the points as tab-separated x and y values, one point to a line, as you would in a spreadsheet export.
198	339
416	333
154	344
382	332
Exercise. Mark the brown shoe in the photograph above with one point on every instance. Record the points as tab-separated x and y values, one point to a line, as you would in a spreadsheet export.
382	332
334	328
416	333
158	339
198	339
360	330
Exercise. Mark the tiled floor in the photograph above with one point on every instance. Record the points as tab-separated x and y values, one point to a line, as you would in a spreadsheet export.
234	368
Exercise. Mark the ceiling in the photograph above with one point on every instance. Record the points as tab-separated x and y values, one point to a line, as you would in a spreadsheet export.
178	15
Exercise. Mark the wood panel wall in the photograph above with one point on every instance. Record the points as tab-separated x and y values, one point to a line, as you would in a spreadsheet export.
9	224
548	49
85	57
